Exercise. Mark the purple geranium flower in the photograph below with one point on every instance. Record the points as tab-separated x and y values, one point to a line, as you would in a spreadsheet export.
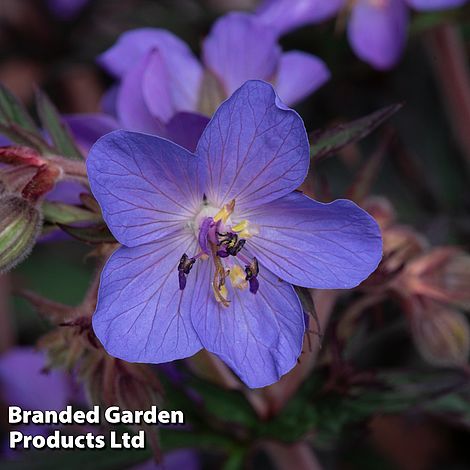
159	77
377	28
212	241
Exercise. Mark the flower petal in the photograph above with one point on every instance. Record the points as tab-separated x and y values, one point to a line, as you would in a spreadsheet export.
88	128
310	244
169	86
131	105
299	75
133	45
258	335
139	315
145	185
286	15
185	129
240	48
255	148
377	31
425	5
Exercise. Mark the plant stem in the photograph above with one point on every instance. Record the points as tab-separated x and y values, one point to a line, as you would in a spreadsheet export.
449	59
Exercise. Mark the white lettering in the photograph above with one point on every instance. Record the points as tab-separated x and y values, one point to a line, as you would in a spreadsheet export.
14	415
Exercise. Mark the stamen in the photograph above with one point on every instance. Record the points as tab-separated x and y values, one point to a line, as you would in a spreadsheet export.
240	226
221	295
237	277
218	283
245	229
184	267
225	212
252	271
231	243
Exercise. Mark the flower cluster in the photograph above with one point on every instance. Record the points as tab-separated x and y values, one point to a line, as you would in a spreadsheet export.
165	90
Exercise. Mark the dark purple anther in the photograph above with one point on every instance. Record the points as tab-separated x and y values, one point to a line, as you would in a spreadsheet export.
252	271
254	285
231	244
182	280
235	249
184	266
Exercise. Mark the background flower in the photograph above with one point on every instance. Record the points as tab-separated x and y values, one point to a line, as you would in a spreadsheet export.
377	29
159	77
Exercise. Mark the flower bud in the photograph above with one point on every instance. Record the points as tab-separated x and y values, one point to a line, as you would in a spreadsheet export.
381	210
442	336
20	155
20	225
400	245
443	274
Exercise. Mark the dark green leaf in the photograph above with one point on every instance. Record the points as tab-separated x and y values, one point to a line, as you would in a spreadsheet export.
56	128
59	213
309	307
227	405
22	136
177	439
13	112
327	142
235	460
90	234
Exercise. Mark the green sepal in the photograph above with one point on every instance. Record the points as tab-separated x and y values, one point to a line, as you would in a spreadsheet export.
325	143
56	128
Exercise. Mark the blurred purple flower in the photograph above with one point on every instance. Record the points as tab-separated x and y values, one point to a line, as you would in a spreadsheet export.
231	216
285	15
377	29
66	9
24	383
161	78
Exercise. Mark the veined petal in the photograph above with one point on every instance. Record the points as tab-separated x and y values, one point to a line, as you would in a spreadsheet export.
311	244
146	186
255	148
139	316
286	15
240	48
377	31
425	5
299	75
258	335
